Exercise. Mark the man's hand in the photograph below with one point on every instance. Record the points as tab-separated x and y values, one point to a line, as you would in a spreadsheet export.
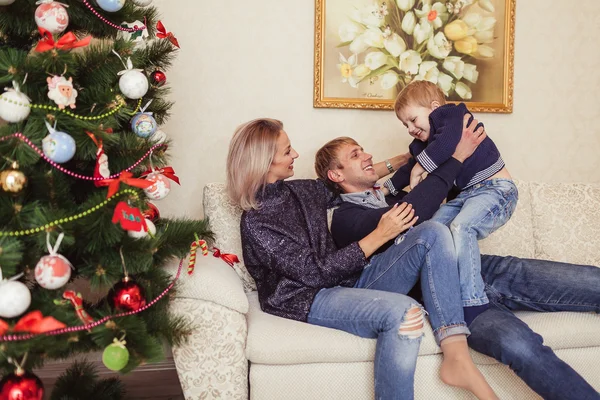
416	175
470	139
397	220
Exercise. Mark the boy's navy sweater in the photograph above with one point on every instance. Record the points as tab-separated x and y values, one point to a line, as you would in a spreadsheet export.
352	222
446	125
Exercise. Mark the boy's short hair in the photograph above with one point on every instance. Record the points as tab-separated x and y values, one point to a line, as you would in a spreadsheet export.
327	159
418	93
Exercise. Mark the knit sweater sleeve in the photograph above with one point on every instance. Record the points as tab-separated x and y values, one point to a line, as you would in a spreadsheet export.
401	178
286	254
446	124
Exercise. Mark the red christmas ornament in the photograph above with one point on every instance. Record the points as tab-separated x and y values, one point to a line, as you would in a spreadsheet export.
126	295
152	212
158	78
21	386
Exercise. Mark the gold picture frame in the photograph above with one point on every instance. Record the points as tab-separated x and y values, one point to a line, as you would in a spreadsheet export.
485	36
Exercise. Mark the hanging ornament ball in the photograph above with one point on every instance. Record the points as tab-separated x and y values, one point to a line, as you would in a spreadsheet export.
159	136
21	386
14	299
111	5
6	2
160	188
59	146
151	213
127	295
142	234
116	356
14	106
141	3
158	78
52	16
53	272
144	124
138	36
133	84
12	180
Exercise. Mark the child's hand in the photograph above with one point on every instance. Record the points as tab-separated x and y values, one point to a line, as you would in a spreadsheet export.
416	175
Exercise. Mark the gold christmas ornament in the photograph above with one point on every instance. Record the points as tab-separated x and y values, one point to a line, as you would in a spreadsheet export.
12	180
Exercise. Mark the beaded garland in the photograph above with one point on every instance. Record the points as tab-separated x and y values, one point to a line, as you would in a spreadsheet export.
71	329
85	213
107	22
69	113
73	174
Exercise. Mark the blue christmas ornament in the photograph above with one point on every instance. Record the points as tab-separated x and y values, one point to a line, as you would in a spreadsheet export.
58	146
111	5
144	124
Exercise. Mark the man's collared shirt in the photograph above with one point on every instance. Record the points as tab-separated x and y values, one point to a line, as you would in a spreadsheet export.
368	198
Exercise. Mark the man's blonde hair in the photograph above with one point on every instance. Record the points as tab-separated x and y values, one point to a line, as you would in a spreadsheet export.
327	158
418	93
251	153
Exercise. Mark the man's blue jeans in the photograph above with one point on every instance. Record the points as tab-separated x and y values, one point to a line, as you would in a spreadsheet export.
514	284
376	306
473	215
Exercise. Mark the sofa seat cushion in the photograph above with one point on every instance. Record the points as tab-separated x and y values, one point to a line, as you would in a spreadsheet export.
278	341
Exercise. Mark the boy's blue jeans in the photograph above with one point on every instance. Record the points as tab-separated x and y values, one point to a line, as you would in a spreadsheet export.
514	284
376	306
473	215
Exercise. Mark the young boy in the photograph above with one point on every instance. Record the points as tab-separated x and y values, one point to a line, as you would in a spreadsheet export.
487	195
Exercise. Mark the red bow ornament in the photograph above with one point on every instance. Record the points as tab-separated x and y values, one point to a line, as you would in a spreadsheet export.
227	257
33	322
163	34
126	178
67	42
168	172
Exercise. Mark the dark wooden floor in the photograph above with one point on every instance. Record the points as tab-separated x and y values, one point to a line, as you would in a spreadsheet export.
148	382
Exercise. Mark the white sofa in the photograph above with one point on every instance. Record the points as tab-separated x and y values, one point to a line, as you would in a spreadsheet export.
238	352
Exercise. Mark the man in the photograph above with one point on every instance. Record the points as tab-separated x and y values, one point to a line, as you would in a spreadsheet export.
496	332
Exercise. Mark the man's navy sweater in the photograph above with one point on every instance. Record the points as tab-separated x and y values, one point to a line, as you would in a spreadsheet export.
352	222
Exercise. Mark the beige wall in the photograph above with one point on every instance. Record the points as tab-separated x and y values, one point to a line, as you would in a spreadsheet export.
246	59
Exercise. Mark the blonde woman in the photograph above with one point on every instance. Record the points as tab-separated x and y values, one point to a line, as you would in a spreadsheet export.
300	273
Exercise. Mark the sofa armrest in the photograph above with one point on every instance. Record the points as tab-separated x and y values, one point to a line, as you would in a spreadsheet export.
214	281
211	364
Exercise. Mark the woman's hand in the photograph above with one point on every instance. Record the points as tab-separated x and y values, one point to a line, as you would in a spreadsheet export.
392	223
470	139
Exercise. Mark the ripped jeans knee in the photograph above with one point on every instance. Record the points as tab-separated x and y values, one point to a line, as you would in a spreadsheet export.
411	326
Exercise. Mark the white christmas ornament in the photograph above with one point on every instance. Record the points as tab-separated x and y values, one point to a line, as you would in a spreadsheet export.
159	136
141	3
133	83
7	2
52	16
14	105
142	234
14	297
160	188
53	271
138	37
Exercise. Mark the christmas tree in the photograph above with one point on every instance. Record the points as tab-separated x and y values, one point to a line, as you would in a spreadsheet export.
81	162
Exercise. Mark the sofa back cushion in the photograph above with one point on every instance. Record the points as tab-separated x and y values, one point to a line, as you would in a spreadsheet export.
566	220
515	238
224	218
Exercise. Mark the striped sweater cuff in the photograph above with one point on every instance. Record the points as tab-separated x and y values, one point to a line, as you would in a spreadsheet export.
425	161
390	186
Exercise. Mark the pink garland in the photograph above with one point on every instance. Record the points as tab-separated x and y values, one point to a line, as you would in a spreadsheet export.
73	174
71	329
107	22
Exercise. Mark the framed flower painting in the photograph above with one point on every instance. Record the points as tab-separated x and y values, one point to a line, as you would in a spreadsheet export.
366	51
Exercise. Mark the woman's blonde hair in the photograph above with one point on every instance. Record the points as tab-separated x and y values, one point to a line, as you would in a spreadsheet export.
251	153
